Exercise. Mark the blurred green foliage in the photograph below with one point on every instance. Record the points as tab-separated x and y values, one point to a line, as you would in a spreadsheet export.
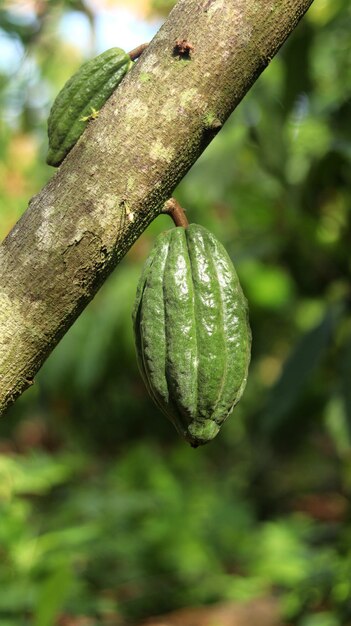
104	512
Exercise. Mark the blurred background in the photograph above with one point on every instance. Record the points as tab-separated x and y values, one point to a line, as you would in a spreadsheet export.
106	516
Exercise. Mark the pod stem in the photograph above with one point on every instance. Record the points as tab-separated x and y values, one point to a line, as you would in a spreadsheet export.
176	212
137	52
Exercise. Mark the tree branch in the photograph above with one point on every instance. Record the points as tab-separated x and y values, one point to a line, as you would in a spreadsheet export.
126	164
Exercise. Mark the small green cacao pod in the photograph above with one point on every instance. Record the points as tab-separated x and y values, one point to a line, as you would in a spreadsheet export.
85	92
192	332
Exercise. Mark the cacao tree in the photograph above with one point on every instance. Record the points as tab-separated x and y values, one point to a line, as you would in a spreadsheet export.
125	166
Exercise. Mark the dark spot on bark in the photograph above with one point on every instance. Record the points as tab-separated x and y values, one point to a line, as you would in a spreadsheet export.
183	48
103	252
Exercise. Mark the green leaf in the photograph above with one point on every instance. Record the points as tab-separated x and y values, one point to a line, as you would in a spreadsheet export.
52	596
337	426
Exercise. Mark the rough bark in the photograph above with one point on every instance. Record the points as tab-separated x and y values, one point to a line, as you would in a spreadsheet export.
126	164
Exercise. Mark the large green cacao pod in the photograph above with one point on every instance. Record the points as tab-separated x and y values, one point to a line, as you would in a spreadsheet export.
191	330
87	90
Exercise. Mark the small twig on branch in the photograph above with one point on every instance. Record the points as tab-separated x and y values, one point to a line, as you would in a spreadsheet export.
137	52
176	212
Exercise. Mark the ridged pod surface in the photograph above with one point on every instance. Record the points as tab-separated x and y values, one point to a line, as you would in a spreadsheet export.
86	90
192	332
